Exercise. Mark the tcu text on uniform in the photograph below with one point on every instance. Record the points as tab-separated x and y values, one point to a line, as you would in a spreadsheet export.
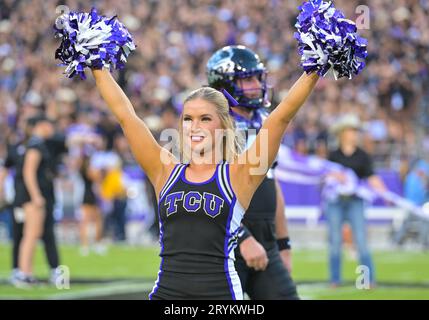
192	202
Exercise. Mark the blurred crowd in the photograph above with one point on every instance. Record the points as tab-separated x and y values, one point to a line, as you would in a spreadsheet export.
175	39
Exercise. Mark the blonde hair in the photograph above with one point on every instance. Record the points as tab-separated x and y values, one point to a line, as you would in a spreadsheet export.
232	142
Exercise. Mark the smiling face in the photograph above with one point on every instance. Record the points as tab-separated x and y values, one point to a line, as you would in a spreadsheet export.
207	130
201	126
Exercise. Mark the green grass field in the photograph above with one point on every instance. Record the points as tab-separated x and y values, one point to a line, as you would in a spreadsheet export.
131	271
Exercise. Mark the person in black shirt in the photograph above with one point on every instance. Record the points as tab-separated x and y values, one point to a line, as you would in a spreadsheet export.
14	164
15	154
35	195
349	208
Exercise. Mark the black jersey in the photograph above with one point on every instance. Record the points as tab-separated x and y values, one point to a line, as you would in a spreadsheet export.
199	223
360	162
51	150
57	148
14	161
14	153
45	173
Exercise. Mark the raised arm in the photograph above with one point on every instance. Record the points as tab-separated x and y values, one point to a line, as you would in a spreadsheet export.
254	163
143	145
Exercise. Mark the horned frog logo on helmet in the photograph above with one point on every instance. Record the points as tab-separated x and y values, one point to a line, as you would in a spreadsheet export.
227	65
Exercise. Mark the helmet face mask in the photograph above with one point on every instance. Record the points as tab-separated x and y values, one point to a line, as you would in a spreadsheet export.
228	65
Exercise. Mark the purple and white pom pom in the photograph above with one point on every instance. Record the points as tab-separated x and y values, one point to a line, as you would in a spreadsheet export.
93	41
328	41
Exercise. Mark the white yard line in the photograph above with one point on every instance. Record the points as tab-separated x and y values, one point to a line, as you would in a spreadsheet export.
106	290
